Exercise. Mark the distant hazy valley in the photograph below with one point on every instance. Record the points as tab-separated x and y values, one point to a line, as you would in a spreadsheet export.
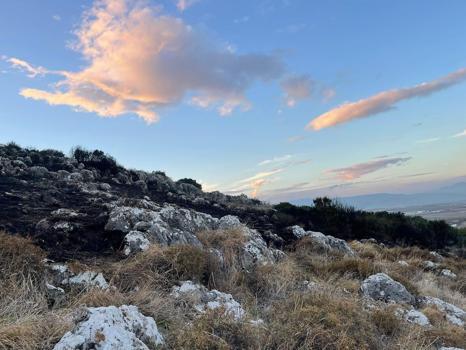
446	203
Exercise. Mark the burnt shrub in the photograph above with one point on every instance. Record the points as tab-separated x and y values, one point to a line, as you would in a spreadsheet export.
96	159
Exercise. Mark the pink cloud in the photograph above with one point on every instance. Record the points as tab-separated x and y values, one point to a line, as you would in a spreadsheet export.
31	70
383	101
359	170
139	61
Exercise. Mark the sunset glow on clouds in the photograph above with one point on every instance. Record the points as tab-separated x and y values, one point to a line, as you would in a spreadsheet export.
358	170
140	60
383	102
268	65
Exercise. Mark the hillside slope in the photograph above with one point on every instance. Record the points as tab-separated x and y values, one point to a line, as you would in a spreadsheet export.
95	256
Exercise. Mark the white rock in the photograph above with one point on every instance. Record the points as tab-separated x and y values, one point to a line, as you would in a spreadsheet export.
430	265
382	287
453	314
58	267
403	263
326	242
448	273
135	241
204	299
331	243
298	231
449	348
112	328
228	222
87	279
414	316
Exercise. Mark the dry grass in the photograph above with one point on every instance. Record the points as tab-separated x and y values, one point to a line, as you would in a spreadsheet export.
25	320
215	331
331	316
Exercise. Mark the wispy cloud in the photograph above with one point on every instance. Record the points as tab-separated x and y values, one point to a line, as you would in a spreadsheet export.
31	70
276	160
461	134
383	101
57	18
140	60
183	5
431	140
296	88
358	170
253	184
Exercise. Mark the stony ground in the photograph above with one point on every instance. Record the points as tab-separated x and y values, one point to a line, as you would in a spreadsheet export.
121	259
320	293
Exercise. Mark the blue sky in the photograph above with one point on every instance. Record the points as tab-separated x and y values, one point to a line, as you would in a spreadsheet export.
222	91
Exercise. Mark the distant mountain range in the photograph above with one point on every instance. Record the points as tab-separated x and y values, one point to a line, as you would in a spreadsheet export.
455	193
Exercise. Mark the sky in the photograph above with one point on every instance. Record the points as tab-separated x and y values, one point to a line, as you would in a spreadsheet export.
280	100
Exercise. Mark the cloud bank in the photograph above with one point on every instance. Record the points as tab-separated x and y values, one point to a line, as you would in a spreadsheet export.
139	60
358	170
383	101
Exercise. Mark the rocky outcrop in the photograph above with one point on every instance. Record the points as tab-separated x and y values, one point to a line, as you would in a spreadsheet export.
35	184
453	314
382	287
145	222
203	299
327	243
111	327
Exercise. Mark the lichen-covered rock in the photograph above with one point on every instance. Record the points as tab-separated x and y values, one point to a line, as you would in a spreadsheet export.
413	316
448	273
170	225
60	274
453	314
327	243
135	241
164	225
331	244
430	265
203	299
298	232
87	279
382	287
116	328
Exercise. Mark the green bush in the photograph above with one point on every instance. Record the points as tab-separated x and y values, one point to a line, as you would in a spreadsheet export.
345	222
